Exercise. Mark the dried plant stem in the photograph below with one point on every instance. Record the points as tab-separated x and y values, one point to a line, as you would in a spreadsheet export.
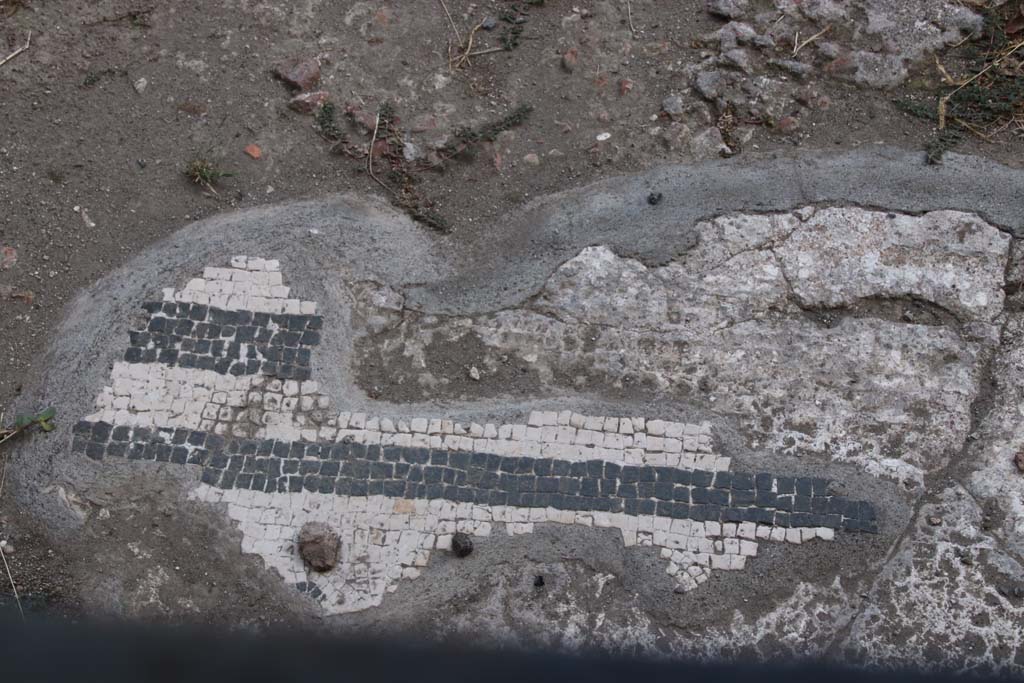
451	21
3	475
488	51
27	45
797	46
944	100
973	129
369	156
466	52
14	588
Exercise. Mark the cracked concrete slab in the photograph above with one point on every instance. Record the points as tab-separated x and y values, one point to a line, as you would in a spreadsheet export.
849	318
950	597
991	473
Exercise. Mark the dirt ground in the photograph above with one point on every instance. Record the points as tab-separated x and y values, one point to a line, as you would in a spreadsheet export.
113	99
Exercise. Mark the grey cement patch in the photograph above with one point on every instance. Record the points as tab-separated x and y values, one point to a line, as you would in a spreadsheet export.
327	249
589	576
615	212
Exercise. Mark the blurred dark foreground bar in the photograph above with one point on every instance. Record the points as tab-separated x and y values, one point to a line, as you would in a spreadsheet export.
137	653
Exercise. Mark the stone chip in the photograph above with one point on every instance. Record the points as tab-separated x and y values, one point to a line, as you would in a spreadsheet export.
319	546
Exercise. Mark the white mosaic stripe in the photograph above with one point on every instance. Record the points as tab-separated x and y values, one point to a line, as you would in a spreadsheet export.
384	540
545	435
254	406
250	284
156	395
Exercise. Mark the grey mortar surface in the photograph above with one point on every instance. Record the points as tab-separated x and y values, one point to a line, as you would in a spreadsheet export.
324	244
615	212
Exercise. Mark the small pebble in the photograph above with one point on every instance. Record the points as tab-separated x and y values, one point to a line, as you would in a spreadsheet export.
462	545
673	106
570	59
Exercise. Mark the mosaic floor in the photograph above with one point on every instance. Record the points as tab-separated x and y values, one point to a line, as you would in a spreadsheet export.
220	379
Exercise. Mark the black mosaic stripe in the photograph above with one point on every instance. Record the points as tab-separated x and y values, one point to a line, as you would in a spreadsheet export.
352	469
311	589
209	338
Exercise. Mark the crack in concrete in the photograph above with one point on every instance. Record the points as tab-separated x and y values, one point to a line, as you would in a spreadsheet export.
978	412
983	405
